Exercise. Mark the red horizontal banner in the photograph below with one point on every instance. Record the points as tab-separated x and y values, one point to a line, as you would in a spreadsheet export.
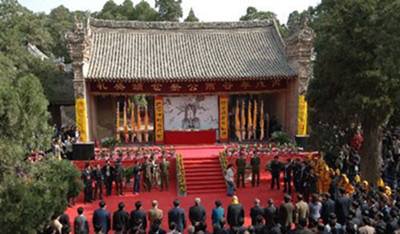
187	87
190	137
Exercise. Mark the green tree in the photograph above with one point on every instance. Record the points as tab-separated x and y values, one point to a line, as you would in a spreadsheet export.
59	22
110	11
144	12
169	10
252	14
355	78
191	17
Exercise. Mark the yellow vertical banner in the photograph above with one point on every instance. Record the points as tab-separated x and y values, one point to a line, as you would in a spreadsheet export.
302	116
80	109
159	120
223	118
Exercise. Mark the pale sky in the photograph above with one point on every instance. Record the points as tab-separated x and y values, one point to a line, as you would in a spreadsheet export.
205	10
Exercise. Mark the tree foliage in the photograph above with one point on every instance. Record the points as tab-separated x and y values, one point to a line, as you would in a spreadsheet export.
252	14
356	78
29	192
169	10
191	17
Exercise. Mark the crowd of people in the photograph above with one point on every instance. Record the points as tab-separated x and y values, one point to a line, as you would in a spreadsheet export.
148	174
63	139
326	199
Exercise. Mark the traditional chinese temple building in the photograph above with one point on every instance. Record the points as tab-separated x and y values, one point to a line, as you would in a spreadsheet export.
172	83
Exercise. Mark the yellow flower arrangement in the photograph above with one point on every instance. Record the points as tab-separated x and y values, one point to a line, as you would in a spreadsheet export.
181	175
223	160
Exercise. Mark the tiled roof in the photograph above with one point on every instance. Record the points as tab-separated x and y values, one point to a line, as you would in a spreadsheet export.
169	51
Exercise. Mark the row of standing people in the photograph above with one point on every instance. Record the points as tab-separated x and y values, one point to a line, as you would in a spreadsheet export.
295	173
146	175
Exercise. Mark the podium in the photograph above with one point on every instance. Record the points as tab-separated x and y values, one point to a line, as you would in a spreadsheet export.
83	151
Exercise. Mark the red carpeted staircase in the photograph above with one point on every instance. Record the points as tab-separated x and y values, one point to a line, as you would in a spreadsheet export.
203	175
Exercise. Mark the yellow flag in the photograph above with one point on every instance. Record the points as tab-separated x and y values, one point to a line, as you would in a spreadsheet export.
249	121
262	120
117	124
139	125
255	119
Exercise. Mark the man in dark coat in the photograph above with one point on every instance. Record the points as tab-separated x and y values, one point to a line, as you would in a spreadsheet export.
297	175
255	169
81	224
342	206
101	218
121	220
66	225
177	216
286	213
256	211
119	178
136	177
241	169
309	184
334	187
287	177
138	218
146	168
87	180
328	206
270	213
197	213
276	167
98	181
235	212
164	172
108	172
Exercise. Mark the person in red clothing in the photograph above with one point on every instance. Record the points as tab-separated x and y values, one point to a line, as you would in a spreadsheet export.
356	142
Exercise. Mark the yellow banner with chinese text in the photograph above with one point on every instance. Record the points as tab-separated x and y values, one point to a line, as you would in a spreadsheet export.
80	109
223	118
159	120
302	116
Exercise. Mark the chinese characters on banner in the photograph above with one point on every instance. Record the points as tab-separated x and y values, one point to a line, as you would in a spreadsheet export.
80	108
223	118
159	120
302	116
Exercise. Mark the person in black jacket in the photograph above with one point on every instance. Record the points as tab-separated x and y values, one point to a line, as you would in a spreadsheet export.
235	212
121	220
108	172
255	169
276	167
177	215
342	206
98	181
87	180
66	226
101	218
270	214
119	176
256	211
328	206
287	177
197	213
138	218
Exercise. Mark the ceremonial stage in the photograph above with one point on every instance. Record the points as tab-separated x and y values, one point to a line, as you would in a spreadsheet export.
202	153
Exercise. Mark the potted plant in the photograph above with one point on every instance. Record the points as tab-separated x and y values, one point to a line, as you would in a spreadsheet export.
110	143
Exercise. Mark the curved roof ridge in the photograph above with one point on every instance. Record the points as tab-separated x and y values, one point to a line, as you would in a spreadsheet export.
164	25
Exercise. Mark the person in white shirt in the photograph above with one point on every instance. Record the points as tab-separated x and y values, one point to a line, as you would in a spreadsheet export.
229	178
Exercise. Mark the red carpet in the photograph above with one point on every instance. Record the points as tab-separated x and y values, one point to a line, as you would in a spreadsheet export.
194	179
203	175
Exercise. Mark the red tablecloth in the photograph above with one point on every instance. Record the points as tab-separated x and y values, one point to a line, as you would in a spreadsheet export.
190	137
